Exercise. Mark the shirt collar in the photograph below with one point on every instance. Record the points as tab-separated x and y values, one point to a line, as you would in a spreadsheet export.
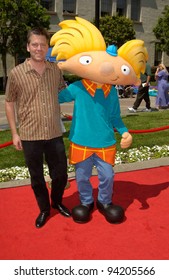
28	67
91	87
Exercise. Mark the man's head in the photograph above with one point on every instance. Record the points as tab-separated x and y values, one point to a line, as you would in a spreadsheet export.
38	31
37	43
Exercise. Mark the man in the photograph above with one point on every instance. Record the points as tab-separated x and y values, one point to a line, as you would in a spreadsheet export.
32	87
143	91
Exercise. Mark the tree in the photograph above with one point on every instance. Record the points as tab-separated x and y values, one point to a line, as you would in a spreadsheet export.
16	18
161	31
116	29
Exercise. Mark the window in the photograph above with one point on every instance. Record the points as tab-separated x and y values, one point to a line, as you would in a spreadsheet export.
135	10
121	7
69	6
106	7
158	55
48	4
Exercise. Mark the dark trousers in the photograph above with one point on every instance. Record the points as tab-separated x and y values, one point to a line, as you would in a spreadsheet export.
142	95
53	152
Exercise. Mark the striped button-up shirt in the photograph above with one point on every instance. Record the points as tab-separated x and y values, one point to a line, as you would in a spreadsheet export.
37	107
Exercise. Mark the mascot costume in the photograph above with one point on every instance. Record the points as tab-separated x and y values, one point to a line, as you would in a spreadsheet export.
80	49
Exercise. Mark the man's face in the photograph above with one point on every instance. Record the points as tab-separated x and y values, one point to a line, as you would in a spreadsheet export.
37	47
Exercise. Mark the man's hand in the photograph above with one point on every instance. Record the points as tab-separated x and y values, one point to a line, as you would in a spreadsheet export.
17	142
126	140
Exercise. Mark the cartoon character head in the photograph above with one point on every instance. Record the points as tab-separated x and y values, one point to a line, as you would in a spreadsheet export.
81	50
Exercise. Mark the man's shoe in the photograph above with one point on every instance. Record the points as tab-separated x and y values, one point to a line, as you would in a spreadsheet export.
132	110
146	110
62	209
41	219
113	213
81	213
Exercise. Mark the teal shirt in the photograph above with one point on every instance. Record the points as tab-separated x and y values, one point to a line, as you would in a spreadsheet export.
94	118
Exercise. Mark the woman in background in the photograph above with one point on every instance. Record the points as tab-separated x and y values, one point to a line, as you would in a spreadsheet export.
161	76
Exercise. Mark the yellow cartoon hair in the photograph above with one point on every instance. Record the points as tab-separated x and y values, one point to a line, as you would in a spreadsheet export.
135	53
76	36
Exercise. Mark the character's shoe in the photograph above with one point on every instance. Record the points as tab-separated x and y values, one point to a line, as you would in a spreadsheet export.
62	209
41	219
81	213
113	213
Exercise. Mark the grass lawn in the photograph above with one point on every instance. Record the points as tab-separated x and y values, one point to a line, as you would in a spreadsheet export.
141	121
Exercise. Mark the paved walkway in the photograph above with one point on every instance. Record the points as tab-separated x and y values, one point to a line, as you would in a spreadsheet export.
67	109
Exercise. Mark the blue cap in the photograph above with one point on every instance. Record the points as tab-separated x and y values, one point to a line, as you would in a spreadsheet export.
112	50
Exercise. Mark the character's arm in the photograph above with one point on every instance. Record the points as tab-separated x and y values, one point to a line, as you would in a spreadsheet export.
126	140
118	124
66	95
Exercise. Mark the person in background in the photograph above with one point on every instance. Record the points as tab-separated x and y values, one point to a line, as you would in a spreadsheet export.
143	91
128	91
31	89
120	90
125	91
161	76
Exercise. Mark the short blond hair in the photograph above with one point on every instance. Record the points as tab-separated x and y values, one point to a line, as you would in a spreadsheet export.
163	67
135	53
79	35
76	36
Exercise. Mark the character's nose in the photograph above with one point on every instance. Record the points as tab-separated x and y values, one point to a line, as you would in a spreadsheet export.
107	68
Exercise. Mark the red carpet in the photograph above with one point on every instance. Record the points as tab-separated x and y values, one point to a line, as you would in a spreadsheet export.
143	235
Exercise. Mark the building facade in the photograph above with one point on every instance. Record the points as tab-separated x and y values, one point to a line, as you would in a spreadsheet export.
143	13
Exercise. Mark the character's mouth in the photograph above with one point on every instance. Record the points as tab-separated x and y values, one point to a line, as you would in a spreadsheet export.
113	80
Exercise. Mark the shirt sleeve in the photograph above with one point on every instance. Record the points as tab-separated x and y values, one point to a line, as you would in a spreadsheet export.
11	88
66	95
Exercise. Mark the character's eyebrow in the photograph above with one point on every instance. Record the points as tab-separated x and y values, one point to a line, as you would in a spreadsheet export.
141	60
139	53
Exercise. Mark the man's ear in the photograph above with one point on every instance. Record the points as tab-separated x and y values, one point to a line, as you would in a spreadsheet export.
61	65
27	47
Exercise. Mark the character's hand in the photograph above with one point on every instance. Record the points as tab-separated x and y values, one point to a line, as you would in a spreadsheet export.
126	140
17	142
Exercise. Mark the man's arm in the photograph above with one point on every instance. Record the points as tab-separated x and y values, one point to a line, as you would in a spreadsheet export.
148	80
148	74
10	113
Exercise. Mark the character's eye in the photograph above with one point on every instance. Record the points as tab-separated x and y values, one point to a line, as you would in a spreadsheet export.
85	60
125	69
